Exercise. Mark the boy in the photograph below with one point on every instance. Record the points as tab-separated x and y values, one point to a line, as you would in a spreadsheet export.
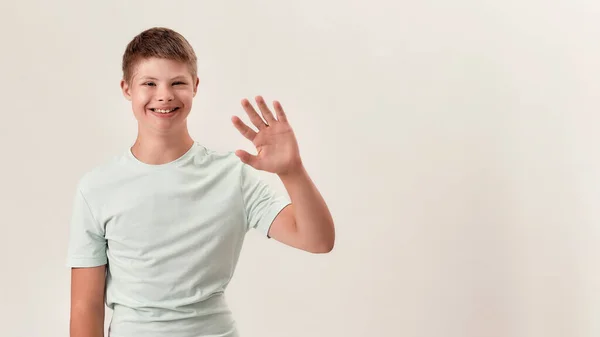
156	233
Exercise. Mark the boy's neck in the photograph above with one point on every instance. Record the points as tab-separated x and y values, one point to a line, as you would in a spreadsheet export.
157	150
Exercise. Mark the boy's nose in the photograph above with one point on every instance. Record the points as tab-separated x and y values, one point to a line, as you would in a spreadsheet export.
164	95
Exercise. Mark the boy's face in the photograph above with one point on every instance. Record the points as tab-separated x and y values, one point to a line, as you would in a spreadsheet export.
161	93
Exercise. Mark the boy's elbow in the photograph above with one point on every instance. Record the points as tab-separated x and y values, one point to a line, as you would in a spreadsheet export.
323	247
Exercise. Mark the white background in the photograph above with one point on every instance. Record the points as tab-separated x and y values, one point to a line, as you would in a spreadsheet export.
456	143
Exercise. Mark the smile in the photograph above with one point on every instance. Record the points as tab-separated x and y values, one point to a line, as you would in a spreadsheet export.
164	111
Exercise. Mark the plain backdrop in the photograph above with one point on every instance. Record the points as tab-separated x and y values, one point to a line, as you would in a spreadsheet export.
456	143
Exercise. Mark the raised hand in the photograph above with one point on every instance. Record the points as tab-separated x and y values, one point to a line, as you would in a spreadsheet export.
275	142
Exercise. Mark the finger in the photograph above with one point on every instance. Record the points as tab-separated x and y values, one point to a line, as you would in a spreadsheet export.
244	129
264	109
279	111
254	117
247	158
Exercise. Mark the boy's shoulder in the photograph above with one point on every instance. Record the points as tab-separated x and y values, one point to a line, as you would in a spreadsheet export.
208	154
99	174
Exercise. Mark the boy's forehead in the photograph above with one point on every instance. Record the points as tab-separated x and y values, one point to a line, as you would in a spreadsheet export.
156	68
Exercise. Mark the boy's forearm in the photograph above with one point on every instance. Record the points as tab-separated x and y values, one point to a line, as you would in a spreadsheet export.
313	218
87	322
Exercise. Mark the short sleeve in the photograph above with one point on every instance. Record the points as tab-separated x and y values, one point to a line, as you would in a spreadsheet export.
87	243
262	203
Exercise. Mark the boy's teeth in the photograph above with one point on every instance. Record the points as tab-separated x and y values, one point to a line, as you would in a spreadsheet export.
164	111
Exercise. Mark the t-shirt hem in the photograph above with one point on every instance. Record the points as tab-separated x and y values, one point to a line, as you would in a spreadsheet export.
85	262
265	225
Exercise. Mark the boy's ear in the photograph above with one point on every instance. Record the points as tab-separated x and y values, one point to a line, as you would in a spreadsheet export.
125	88
196	82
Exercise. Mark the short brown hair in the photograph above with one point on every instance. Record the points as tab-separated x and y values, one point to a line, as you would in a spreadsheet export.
158	42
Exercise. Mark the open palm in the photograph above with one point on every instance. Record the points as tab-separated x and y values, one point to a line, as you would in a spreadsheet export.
275	142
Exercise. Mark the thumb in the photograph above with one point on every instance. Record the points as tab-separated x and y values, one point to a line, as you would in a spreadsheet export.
247	158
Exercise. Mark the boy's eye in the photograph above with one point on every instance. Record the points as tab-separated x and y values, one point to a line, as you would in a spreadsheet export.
178	83
150	84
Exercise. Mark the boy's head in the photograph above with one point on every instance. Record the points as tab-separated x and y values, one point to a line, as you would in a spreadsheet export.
160	78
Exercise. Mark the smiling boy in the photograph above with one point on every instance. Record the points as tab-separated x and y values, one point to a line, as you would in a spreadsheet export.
156	233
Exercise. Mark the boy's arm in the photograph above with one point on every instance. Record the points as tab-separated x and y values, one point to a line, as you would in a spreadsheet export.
307	223
87	302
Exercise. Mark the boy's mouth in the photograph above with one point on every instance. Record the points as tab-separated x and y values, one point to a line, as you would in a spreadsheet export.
164	111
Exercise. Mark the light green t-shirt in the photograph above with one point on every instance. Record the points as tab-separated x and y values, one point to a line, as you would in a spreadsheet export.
171	236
